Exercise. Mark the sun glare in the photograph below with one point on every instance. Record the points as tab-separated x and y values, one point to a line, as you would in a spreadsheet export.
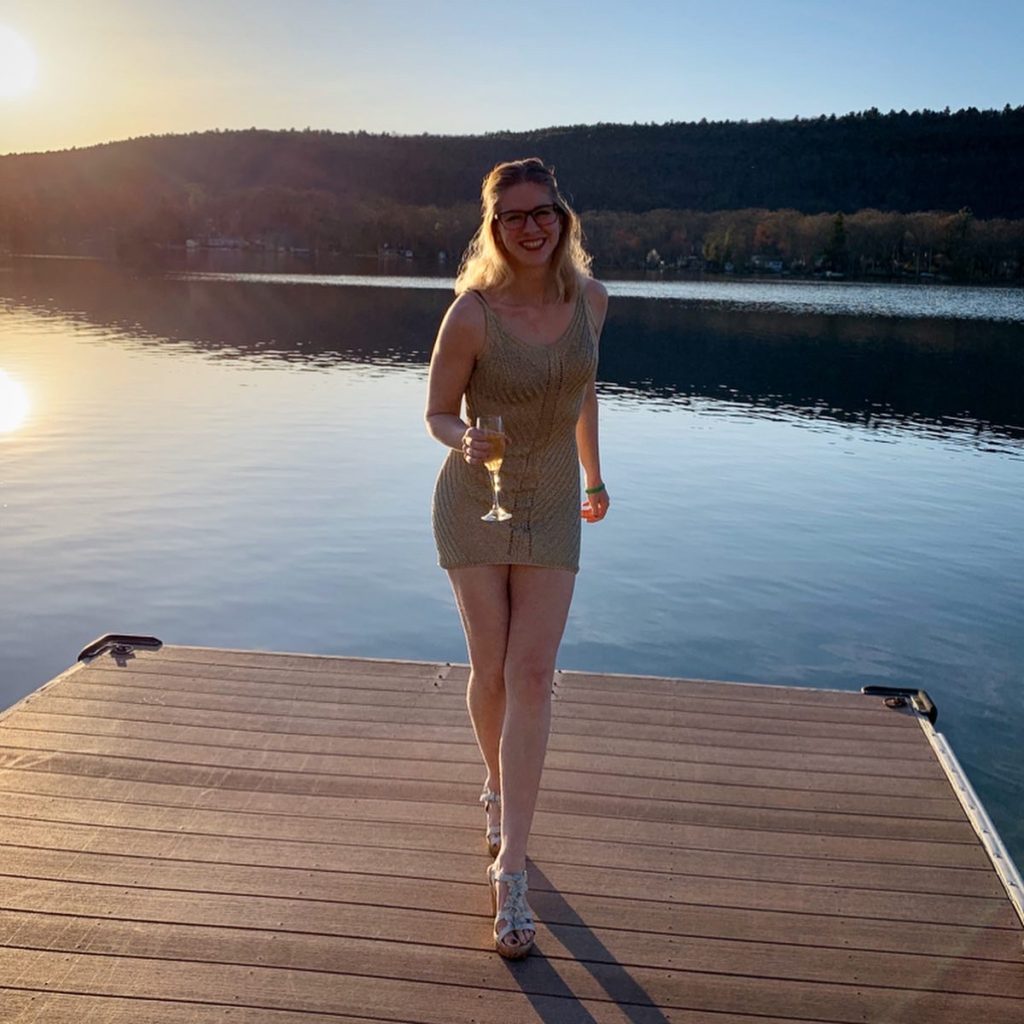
17	64
14	403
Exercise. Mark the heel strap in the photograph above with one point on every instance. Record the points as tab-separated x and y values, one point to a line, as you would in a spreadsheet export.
515	880
488	796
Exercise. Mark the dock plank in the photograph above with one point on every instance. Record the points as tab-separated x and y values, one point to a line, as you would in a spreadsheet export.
444	948
534	987
560	828
198	834
449	709
426	835
711	729
307	891
53	711
683	741
63	915
338	856
340	712
28	1006
449	697
320	774
397	764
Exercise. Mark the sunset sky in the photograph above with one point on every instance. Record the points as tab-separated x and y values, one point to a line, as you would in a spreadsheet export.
112	69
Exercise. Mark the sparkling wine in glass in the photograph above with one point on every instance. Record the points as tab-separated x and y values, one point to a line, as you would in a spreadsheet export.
494	431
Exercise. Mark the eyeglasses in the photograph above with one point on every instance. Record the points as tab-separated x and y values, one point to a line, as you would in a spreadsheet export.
515	220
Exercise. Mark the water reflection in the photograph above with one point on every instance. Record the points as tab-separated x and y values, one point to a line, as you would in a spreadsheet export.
945	377
14	403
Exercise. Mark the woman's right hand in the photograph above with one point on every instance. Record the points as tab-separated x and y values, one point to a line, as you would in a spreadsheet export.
475	446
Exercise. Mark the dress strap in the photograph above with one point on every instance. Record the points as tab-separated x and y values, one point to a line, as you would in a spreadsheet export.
489	315
587	311
491	322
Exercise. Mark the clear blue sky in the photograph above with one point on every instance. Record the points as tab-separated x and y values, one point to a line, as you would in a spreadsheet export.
115	68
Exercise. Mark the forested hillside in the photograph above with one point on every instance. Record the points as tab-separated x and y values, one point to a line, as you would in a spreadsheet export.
356	192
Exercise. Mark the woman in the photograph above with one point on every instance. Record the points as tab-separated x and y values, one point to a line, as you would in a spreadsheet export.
519	341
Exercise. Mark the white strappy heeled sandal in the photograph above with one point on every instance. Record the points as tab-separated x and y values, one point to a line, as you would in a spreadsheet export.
489	798
515	914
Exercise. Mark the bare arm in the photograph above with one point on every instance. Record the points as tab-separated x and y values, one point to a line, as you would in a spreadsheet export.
460	340
587	425
587	438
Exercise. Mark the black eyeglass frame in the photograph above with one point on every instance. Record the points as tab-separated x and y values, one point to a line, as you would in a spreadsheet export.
555	209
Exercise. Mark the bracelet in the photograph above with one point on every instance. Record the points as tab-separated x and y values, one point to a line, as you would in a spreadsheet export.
594	490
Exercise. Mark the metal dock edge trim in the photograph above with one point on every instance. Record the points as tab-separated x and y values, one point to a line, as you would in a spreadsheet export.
1003	863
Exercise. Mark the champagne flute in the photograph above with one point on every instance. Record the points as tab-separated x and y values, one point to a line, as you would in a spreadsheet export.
494	431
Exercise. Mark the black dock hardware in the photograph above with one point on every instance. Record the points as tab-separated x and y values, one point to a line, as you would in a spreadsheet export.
118	643
919	699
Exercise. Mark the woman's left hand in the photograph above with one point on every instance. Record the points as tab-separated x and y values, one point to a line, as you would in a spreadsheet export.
595	508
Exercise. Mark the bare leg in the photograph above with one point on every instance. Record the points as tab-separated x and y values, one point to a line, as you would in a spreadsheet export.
482	595
538	607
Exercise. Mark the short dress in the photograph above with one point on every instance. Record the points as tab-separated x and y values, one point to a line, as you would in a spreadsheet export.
538	390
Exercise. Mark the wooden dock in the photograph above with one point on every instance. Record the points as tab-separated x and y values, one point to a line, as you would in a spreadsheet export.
196	835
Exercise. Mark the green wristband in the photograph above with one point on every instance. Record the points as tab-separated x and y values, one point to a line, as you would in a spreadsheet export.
595	490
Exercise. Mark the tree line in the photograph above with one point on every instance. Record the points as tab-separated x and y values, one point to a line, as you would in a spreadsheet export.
848	194
866	243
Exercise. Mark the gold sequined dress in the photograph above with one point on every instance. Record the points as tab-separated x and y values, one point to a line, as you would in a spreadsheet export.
538	390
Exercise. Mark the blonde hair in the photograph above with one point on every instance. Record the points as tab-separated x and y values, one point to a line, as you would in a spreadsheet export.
485	264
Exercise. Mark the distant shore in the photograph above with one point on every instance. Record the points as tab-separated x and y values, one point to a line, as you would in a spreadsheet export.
868	245
177	258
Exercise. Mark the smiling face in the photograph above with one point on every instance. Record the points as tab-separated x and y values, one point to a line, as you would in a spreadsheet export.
499	251
533	245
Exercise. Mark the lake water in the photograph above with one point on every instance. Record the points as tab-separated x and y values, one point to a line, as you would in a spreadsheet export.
819	485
